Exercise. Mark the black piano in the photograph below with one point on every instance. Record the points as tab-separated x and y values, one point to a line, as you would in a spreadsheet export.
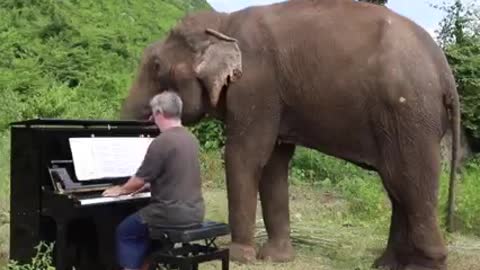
49	204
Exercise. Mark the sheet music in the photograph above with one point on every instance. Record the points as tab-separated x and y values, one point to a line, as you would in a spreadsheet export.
102	157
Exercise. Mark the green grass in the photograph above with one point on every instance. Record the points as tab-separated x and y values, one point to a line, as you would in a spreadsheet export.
468	199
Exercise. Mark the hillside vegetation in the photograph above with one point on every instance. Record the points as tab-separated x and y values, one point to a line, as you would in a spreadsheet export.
77	58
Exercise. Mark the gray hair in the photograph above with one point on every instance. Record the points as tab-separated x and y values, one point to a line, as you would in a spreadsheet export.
167	103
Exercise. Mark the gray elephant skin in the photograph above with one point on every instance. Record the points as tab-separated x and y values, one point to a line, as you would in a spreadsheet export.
350	79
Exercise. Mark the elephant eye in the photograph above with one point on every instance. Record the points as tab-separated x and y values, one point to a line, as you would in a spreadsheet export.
157	65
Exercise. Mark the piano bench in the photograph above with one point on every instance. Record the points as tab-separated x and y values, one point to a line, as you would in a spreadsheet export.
188	255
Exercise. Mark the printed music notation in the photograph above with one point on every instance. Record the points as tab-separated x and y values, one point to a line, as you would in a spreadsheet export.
102	157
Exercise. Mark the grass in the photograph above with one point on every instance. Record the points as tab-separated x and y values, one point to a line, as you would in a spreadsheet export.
328	235
340	215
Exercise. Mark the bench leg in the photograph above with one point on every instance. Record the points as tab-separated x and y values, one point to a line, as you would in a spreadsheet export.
225	261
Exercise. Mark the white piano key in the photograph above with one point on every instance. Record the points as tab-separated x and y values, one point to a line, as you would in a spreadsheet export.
101	200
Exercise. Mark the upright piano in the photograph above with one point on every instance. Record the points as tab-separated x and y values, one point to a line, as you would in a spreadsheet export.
49	204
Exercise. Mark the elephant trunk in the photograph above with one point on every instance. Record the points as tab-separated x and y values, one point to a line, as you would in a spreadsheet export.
135	106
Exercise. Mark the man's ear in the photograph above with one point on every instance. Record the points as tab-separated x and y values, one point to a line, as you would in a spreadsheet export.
219	64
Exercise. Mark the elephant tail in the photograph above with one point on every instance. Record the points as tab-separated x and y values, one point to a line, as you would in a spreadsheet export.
452	105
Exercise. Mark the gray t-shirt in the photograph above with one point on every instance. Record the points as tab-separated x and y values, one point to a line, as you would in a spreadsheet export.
171	166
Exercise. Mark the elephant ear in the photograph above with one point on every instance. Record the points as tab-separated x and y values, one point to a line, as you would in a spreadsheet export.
219	64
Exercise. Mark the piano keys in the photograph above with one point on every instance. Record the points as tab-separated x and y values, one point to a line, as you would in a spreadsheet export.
48	202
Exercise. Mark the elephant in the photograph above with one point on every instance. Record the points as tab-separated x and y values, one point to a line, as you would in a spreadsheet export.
352	80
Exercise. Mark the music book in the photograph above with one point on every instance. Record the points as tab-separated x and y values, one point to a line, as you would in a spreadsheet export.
107	157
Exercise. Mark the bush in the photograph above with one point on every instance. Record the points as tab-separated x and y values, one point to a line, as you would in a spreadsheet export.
41	261
459	36
210	134
465	61
467	210
76	58
311	166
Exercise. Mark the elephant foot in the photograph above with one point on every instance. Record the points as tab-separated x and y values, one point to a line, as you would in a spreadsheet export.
418	267
242	253
278	251
387	262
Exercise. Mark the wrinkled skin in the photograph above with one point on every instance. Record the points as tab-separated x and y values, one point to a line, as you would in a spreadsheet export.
352	80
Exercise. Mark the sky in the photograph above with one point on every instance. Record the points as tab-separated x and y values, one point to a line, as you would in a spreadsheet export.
419	11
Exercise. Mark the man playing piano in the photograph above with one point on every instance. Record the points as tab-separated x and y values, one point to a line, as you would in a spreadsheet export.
171	169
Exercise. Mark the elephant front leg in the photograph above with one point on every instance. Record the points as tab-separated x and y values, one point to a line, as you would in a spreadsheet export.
242	187
275	205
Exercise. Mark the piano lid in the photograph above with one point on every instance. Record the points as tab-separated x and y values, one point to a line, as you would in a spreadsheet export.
45	122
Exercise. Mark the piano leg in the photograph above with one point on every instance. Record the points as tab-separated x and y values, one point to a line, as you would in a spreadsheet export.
61	246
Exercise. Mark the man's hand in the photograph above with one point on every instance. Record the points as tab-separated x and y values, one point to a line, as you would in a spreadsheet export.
132	185
114	191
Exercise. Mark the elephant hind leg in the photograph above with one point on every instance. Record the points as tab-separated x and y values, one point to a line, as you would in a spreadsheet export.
410	174
275	205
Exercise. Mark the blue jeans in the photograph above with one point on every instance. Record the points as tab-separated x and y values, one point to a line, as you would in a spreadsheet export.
132	242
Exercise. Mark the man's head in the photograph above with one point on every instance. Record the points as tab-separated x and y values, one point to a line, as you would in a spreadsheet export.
166	109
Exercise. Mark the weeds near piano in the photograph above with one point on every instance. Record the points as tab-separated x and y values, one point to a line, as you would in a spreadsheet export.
4	218
41	261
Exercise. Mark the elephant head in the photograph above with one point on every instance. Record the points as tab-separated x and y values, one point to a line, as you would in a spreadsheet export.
196	61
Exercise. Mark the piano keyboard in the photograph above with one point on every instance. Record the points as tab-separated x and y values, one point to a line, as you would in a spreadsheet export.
102	200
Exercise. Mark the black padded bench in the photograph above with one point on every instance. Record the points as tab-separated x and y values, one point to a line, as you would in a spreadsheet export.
176	250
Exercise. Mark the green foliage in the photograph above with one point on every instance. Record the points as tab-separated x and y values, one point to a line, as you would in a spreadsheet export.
4	192
189	5
76	58
461	21
459	36
366	196
361	188
464	59
310	166
468	199
41	261
210	134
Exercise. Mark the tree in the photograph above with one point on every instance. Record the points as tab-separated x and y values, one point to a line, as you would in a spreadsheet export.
459	36
460	23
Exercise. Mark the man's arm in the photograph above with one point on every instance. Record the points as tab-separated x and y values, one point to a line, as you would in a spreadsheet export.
133	184
151	164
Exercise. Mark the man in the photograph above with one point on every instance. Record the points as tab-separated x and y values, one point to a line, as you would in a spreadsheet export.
171	168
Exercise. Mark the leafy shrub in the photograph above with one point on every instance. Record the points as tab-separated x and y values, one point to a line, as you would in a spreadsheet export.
41	261
459	36
311	166
210	134
465	61
467	207
9	112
